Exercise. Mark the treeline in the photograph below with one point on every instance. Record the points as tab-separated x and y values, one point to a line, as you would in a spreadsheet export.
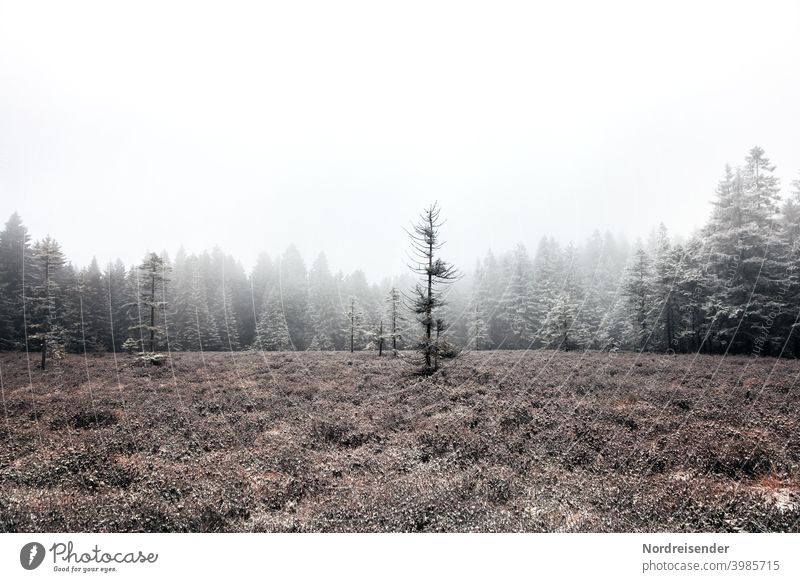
192	302
732	287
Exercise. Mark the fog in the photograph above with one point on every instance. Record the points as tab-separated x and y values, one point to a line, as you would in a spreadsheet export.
331	125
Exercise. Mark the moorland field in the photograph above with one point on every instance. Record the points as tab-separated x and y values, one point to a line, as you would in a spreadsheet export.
333	442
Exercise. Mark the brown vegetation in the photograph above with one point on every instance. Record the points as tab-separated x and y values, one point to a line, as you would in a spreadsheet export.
499	441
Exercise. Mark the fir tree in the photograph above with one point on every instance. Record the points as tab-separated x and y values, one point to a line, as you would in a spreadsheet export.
46	301
272	332
324	316
153	279
14	248
428	299
396	318
639	292
355	325
517	314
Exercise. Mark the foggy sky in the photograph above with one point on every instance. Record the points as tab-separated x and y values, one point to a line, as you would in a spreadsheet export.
145	125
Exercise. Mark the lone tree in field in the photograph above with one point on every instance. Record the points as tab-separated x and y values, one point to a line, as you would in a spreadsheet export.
427	300
153	274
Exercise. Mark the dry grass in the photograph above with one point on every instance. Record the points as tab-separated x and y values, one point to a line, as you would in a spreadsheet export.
500	441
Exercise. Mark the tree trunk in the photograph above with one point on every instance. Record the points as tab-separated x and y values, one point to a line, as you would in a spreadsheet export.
46	326
394	327
152	309
429	307
352	323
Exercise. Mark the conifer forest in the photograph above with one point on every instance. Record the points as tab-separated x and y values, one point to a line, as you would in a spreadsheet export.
731	288
605	384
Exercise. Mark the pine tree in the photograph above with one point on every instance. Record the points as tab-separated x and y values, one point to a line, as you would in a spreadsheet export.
396	317
603	263
516	301
428	299
557	329
230	329
263	278
325	320
46	300
293	292
272	332
94	308
153	279
786	331
354	329
742	265
639	292
478	331
548	283
376	338
490	289
666	271
691	290
14	248
205	302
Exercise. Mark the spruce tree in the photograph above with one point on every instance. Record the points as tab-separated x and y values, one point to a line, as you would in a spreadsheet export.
354	321
516	312
152	279
639	292
46	301
14	248
396	317
427	296
272	332
324	320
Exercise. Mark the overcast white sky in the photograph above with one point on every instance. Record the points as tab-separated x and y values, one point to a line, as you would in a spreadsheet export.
128	126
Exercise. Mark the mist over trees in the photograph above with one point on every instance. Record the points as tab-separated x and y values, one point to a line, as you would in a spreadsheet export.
730	288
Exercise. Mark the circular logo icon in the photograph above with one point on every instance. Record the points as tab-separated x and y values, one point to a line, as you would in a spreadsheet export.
31	555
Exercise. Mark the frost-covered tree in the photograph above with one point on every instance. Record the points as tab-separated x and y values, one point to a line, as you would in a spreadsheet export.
195	327
427	296
666	275
272	332
151	291
639	291
689	296
355	322
602	262
292	290
548	284
324	320
46	299
93	309
376	338
490	288
516	312
14	248
742	268
786	253
477	326
558	326
396	317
